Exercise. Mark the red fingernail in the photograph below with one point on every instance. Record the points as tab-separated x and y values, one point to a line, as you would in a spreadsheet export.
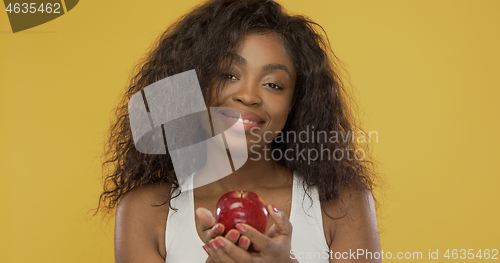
256	248
275	209
219	228
243	242
220	242
234	235
205	248
213	244
241	228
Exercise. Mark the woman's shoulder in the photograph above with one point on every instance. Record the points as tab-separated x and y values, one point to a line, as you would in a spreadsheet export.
147	193
145	203
141	220
351	221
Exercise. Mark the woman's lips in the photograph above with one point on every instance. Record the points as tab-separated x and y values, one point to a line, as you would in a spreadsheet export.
245	124
245	115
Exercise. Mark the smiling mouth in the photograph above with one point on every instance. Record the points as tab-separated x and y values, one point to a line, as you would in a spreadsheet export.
242	120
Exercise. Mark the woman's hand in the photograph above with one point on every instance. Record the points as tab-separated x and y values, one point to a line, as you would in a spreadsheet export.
210	232
273	247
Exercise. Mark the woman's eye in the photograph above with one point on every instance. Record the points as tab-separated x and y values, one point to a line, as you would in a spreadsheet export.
230	77
274	86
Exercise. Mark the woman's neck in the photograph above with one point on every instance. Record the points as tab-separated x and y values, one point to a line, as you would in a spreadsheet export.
256	173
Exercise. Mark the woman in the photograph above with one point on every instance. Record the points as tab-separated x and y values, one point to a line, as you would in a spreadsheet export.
277	72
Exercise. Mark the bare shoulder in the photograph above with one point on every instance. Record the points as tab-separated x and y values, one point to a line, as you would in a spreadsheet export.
350	222
140	224
155	194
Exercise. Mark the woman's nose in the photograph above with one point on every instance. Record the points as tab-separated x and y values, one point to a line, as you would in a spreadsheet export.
248	94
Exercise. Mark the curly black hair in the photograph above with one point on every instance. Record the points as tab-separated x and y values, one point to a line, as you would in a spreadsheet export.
201	40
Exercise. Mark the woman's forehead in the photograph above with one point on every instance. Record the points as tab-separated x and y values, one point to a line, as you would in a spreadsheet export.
266	49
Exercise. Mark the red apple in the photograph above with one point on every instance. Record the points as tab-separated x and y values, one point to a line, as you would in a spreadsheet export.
241	207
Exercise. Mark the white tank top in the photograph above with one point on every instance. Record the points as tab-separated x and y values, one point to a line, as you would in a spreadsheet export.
308	240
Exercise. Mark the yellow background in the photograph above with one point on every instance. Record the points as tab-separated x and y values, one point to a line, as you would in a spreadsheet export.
426	75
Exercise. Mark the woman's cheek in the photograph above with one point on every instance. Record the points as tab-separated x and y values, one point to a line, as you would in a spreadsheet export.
269	136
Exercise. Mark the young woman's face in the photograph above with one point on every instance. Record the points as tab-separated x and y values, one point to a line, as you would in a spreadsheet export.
260	85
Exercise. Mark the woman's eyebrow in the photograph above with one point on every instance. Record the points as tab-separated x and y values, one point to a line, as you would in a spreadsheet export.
238	58
269	67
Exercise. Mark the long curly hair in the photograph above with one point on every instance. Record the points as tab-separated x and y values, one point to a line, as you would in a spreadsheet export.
201	40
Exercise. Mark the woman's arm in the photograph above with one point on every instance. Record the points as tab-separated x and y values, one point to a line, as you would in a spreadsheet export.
358	229
139	225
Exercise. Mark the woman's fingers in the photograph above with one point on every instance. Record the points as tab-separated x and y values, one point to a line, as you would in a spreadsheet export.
207	227
244	242
227	251
207	220
233	247
220	249
282	225
258	239
233	235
